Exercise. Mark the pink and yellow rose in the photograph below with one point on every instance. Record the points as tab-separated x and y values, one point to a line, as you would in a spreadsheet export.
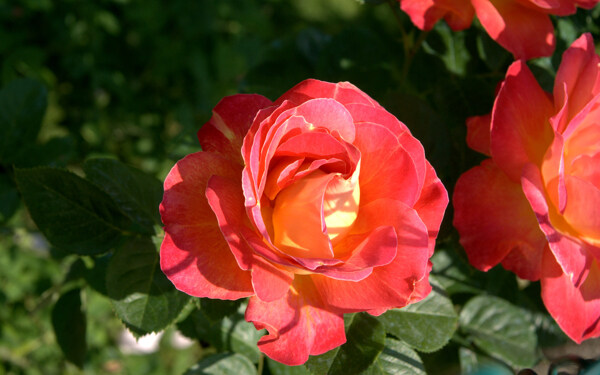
318	204
534	205
523	27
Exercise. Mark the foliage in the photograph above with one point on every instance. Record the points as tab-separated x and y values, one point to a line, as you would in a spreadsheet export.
100	98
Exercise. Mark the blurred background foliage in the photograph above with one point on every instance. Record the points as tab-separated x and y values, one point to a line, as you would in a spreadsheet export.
134	80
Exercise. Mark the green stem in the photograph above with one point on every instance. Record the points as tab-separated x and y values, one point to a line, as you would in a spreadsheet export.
261	364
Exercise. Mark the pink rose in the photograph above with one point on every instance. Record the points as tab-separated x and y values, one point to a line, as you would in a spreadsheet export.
522	27
318	204
534	206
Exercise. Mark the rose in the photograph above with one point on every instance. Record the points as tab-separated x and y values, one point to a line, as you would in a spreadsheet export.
535	205
522	27
319	204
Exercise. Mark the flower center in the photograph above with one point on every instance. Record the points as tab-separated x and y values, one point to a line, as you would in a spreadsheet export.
315	213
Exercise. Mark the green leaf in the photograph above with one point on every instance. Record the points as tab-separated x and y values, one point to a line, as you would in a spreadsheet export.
450	47
22	107
230	333
9	198
397	358
72	213
69	323
223	364
365	341
455	274
137	194
426	325
500	329
143	298
276	368
216	309
471	363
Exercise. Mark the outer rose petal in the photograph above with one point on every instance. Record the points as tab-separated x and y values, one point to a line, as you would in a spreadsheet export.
343	92
576	310
186	258
426	13
203	271
432	204
299	324
478	133
231	119
524	31
520	129
494	219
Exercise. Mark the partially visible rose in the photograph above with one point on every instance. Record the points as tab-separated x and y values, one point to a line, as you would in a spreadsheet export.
318	204
534	206
523	27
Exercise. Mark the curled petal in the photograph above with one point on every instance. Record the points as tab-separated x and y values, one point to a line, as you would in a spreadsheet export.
575	309
391	285
571	253
299	324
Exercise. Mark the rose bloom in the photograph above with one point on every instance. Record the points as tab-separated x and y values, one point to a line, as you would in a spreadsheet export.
523	27
534	206
318	204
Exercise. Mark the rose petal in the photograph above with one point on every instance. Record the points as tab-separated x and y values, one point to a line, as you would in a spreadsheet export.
387	169
524	31
198	262
391	285
298	222
520	129
572	255
183	201
575	309
366	113
299	324
432	204
577	78
478	133
342	92
230	122
426	13
582	210
494	218
270	282
377	249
